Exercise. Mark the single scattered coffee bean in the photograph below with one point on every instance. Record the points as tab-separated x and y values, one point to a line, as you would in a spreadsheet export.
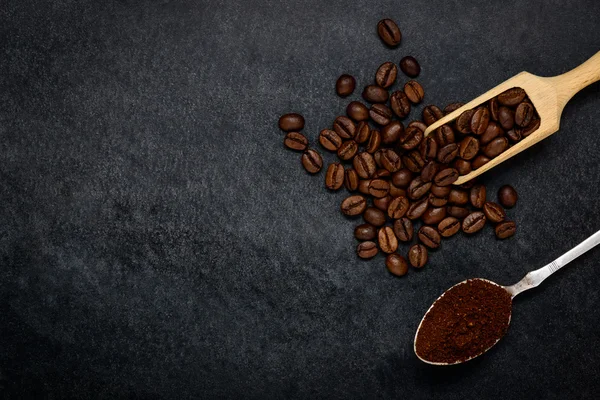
295	141
330	140
462	166
357	111
452	107
367	249
446	177
416	209
380	114
507	195
413	161
506	118
347	150
396	264
410	66
524	114
389	32
417	255
429	237
390	160
511	97
433	215
493	131
457	212
312	161
396	191
392	132
410	138
437	201
495	147
387	240
418	188
379	188
364	165
398	207
494	108
374	142
344	127
386	74
414	91
354	205
444	135
363	186
404	230
477	196
428	148
429	171
505	229
334	178
449	226
365	232
479	161
375	94
351	180
469	147
458	197
345	85
362	132
383	203
480	120
494	212
374	216
431	114
400	104
514	135
291	122
447	153
532	127
473	222
463	122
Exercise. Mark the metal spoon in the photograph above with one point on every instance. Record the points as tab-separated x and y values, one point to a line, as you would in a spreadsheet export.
531	280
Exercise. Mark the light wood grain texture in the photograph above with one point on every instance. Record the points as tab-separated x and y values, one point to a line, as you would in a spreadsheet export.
549	95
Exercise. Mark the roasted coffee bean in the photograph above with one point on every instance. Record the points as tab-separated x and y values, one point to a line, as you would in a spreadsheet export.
449	226
374	142
403	228
462	166
363	186
428	148
507	195
495	147
493	131
468	148
344	127
473	222
377	158
529	129
379	188
364	165
419	124
374	216
447	153
410	138
414	91
457	212
477	196
291	122
494	212
514	135
506	118
418	188
362	132
382	173
387	240
345	85
413	161
402	178
295	141
375	94
383	203
351	180
354	205
357	111
365	232
396	191
410	66
381	114
391	132
505	229
396	264
433	215
389	32
444	135
416	209
367	249
431	114
463	122
511	97
400	104
446	177
390	160
494	108
312	161
386	74
458	197
479	161
452	107
437	201
480	120
417	255
330	140
334	178
429	237
524	114
347	150
429	171
398	207
441	191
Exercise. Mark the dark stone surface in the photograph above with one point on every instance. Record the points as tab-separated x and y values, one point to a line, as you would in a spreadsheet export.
157	240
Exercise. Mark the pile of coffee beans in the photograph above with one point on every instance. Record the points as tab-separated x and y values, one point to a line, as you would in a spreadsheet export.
401	182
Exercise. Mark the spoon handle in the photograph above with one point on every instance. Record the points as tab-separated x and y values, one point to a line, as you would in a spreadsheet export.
534	278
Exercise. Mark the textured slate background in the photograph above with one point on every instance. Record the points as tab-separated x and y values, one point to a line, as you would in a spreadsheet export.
157	240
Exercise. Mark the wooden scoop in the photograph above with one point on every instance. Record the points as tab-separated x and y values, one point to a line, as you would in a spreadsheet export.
549	96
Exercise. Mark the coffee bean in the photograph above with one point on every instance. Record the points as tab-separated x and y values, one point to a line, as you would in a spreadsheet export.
400	104
357	111
291	122
345	85
347	150
410	66
493	131
396	264
480	120
379	188
334	178
354	205
295	141
507	195
494	108
463	122
447	153
446	177
431	114
469	147
416	209
514	135
511	97
351	180
414	91
312	161
363	186
380	114
449	226
344	127
365	232
417	255
367	250
440	191
391	132
410	138
428	148
437	201
458	197
398	207
505	229
479	161
419	124
387	240
390	160
362	132
382	173
413	161
532	127
383	203
473	222
403	228
495	147
364	165
506	118
433	215
374	216
386	74
330	140
457	212
477	196
452	107
402	178
418	188
389	32
396	191
494	212
429	237
462	166
375	94
374	142
444	135
524	114
429	171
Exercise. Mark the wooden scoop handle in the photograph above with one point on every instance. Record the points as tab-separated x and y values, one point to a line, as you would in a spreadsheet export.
571	82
